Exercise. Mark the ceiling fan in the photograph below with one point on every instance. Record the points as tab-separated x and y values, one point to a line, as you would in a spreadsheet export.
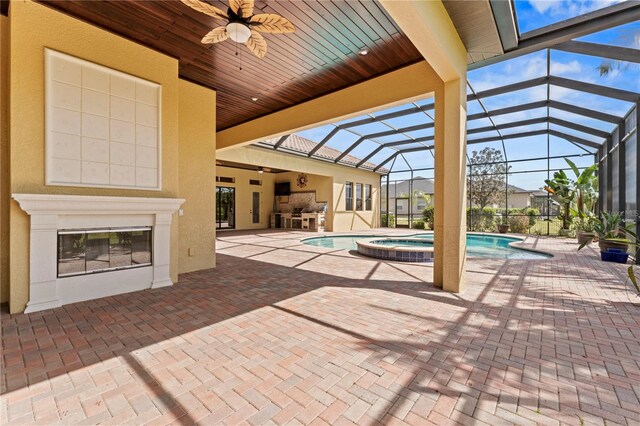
242	25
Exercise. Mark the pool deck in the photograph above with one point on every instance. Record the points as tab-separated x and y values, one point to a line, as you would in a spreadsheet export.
286	333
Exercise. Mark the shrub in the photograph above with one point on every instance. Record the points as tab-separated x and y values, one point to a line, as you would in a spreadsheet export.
519	224
533	215
388	220
481	219
427	216
418	225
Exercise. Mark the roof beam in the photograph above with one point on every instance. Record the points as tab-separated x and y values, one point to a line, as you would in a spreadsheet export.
513	136
597	115
508	88
508	110
388	116
600	50
505	22
324	141
557	133
579	127
392	144
280	141
579	26
382	134
574	139
405	151
595	89
508	125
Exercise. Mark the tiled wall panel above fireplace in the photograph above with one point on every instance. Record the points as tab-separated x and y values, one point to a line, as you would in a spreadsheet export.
102	126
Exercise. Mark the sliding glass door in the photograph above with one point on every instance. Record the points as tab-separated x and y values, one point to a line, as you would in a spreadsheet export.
225	207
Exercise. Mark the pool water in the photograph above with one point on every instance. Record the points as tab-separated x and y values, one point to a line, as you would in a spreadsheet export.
486	246
347	242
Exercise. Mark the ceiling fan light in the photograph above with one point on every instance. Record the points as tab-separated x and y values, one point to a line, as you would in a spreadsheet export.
260	170
239	33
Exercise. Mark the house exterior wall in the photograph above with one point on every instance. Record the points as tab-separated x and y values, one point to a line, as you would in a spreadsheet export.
34	27
338	219
4	159
244	191
196	177
519	200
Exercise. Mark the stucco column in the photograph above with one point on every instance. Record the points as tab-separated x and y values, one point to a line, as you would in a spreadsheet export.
450	187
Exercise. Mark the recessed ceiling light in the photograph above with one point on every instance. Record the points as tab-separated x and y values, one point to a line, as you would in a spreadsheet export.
363	52
254	99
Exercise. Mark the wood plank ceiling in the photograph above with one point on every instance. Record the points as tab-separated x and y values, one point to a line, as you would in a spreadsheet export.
320	57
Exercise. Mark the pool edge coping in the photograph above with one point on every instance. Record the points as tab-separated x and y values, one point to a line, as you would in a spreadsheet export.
519	241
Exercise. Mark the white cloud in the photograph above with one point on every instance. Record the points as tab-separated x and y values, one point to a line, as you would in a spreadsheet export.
566	68
565	9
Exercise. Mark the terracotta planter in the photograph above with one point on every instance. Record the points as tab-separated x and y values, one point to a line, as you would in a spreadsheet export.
607	244
503	228
584	237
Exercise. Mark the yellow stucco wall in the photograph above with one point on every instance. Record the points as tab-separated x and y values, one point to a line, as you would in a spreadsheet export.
322	185
34	27
338	219
4	159
197	157
244	194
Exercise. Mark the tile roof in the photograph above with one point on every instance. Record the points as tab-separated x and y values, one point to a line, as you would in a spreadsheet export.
304	145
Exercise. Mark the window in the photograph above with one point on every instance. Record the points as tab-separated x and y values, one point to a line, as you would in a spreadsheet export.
255	182
367	198
359	204
348	197
224	179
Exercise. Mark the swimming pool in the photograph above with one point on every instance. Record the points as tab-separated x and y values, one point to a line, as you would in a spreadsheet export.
484	246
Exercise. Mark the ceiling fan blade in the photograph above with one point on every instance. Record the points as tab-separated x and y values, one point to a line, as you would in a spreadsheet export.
206	8
257	44
216	35
243	8
271	23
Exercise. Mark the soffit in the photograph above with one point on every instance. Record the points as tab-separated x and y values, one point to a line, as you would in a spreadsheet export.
475	23
319	58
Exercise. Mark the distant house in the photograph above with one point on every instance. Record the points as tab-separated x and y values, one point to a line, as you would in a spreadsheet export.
518	198
399	200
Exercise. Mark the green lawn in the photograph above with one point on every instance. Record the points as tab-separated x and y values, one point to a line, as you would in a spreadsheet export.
552	226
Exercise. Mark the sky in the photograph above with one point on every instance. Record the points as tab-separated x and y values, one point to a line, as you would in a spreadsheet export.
531	15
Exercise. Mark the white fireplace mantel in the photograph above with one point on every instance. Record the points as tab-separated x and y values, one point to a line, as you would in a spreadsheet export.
50	213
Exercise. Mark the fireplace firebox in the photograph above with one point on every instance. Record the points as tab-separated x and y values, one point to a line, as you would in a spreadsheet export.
88	251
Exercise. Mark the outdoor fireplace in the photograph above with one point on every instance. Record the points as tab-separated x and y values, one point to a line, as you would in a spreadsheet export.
86	247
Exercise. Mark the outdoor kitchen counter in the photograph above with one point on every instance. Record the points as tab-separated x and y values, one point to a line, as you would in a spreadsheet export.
304	221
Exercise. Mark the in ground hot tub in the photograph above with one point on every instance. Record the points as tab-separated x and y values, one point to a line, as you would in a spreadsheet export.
401	249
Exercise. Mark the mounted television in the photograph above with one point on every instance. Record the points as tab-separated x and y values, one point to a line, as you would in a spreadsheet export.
283	188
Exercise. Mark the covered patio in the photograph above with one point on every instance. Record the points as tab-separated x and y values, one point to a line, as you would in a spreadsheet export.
321	336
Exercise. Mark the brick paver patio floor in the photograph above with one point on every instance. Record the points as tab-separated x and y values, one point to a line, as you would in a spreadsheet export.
287	333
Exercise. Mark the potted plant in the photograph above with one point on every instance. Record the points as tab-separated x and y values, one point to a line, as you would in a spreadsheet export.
585	189
503	228
561	190
584	230
611	232
427	216
626	232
